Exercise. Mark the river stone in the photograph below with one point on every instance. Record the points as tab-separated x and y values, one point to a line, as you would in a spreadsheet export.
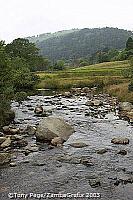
97	103
67	94
94	183
126	106
122	152
78	145
101	151
20	143
10	130
16	137
6	143
87	162
57	141
38	109
1	134
13	164
2	139
5	158
51	127
120	140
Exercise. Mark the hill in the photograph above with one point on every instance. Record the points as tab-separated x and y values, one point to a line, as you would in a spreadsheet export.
79	43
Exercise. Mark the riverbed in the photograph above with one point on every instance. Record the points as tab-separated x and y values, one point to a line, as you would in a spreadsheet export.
103	172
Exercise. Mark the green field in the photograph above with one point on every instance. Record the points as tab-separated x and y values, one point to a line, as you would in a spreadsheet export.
109	76
94	75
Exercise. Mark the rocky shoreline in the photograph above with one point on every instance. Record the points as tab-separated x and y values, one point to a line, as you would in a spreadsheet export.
96	155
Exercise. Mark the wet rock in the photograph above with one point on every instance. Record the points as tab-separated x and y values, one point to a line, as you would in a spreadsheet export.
122	152
2	139
57	141
31	148
30	130
120	140
94	183
39	163
94	103
38	109
67	94
50	147
89	103
13	164
101	151
97	103
130	116
5	158
1	134
16	137
78	145
86	90
6	143
5	129
117	182
87	162
10	130
52	127
69	159
126	106
20	143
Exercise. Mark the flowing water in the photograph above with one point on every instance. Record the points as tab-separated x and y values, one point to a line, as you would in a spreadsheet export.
54	170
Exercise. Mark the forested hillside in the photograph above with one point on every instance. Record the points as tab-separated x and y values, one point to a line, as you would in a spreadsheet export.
82	43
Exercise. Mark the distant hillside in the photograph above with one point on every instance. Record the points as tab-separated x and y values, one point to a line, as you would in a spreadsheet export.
78	43
45	36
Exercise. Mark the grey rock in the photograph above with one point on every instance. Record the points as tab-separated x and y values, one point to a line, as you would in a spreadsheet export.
78	145
126	106
120	140
38	109
122	152
94	183
2	139
52	127
6	143
5	158
13	164
57	141
101	151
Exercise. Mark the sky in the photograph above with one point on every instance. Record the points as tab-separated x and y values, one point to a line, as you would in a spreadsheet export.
22	18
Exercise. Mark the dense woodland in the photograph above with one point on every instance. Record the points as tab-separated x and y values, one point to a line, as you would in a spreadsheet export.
81	44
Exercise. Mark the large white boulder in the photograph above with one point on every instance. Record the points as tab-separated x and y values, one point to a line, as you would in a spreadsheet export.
51	127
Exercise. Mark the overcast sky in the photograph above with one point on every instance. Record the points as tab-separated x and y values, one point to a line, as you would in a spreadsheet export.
21	18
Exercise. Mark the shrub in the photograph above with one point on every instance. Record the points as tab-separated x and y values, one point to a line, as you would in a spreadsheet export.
130	86
20	96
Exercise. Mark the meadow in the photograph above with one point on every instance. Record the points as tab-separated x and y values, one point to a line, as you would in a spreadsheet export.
111	77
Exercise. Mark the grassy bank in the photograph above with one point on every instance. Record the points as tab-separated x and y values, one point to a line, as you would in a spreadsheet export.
110	77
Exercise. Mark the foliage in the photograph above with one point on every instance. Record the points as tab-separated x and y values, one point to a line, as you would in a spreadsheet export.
20	96
130	86
15	77
59	65
82	43
28	52
129	44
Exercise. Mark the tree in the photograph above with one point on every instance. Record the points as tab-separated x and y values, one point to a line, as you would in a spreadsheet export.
129	44
25	50
59	65
15	81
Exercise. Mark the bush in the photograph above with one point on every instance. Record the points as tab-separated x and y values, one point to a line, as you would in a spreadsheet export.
20	96
130	86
